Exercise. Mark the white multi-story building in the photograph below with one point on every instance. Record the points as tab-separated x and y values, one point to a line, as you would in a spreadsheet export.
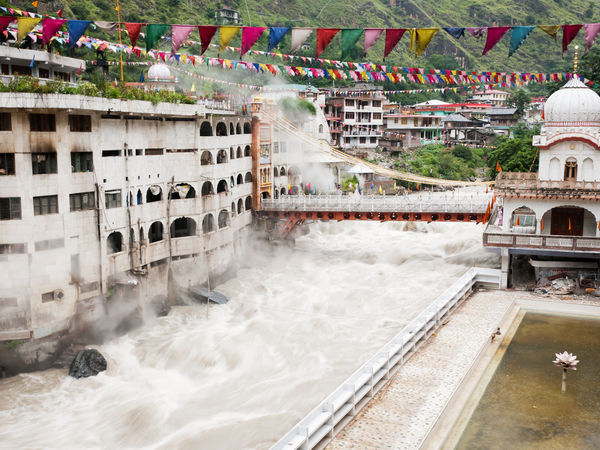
492	96
554	214
417	129
99	193
355	118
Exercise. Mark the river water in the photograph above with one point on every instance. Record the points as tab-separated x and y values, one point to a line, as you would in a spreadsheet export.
299	321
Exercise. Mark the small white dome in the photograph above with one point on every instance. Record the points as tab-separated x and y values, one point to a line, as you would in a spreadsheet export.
159	72
574	102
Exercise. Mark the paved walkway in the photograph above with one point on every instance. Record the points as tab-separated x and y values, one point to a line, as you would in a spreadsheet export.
403	412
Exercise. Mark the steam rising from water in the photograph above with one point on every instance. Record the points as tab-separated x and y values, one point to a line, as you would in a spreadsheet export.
299	322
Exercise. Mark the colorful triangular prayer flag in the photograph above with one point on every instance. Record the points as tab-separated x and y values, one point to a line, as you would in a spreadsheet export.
324	37
276	35
49	28
551	30
371	35
24	26
226	35
179	33
133	30
455	32
392	37
591	31
517	37
206	33
299	36
350	37
154	32
569	33
494	35
249	37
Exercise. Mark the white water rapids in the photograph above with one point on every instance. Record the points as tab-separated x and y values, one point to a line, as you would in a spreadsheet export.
299	322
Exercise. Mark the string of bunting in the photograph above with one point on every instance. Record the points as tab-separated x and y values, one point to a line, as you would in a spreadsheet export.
420	38
365	72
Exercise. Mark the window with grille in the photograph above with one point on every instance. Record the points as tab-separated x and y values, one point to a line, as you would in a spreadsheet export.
82	201
113	199
43	163
47	204
82	162
10	208
80	123
42	122
7	163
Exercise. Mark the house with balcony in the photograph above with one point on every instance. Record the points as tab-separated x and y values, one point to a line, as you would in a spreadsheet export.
416	129
355	117
492	96
553	217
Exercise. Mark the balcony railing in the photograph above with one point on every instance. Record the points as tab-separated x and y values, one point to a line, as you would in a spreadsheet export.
467	203
538	241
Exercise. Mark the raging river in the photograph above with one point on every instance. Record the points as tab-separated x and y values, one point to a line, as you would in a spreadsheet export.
299	321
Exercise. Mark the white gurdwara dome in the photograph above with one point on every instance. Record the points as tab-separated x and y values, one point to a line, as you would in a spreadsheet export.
574	102
159	72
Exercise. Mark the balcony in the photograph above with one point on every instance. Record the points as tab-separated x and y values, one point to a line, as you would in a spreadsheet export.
512	184
542	242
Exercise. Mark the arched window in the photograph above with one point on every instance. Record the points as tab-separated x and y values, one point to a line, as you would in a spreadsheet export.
130	199
182	227
247	151
207	189
571	169
222	186
247	128
320	129
141	235
231	153
231	181
114	242
238	128
248	177
223	219
275	172
248	203
240	207
206	158
139	197
283	191
208	224
232	209
238	153
231	130
554	171
240	179
155	233
221	129
282	172
221	157
153	194
206	129
523	220
588	169
183	190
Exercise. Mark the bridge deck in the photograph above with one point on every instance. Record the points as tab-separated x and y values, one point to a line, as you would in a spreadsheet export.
436	206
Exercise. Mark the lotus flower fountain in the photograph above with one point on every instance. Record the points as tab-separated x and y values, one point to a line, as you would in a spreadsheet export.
567	361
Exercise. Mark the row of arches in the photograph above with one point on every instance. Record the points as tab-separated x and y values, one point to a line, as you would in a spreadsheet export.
206	157
182	226
570	170
279	172
565	220
221	129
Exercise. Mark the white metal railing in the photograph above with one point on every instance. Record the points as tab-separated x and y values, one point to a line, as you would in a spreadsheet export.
427	202
333	413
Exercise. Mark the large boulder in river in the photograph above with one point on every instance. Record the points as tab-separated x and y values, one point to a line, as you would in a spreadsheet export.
87	363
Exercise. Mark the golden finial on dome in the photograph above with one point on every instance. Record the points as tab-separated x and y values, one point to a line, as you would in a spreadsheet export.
575	60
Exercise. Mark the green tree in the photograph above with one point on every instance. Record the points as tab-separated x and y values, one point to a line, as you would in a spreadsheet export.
513	155
520	99
463	152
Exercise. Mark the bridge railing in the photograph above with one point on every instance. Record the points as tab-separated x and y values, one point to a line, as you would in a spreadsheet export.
333	413
474	203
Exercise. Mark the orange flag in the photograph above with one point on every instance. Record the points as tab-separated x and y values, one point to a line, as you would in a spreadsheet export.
517	222
498	168
569	224
542	224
